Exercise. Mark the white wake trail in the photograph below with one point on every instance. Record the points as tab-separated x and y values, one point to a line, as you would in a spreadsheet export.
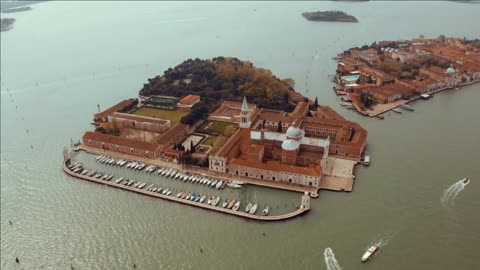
330	260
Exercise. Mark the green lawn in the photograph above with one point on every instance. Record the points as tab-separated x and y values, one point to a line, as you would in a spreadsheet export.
209	141
217	127
173	116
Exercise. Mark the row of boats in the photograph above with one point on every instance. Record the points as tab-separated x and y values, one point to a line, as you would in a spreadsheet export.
197	197
169	173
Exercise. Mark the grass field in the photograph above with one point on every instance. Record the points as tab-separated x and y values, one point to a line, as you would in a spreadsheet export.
218	127
209	141
173	116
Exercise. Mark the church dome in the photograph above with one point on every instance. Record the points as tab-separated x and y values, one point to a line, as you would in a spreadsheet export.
294	132
290	145
451	70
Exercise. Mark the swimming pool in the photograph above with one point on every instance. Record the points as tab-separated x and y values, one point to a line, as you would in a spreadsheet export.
350	78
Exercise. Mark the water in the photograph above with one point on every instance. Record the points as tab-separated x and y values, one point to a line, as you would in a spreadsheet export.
63	58
330	260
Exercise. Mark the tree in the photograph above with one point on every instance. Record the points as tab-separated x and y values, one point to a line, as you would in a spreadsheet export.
279	128
441	38
192	147
421	36
316	102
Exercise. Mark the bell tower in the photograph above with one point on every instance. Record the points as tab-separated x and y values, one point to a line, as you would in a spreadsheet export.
245	124
245	115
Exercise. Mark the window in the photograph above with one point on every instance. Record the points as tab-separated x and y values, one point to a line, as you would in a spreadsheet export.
290	180
133	123
237	172
246	174
261	176
273	178
310	183
131	150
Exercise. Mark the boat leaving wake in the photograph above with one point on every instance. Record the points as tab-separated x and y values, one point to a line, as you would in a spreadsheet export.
449	195
330	260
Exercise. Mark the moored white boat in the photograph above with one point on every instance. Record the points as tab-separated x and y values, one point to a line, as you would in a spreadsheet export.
253	209
216	201
466	181
265	211
236	206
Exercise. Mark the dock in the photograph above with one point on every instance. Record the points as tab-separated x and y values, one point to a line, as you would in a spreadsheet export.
303	208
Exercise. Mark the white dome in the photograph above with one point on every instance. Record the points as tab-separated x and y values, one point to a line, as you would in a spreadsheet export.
451	70
294	132
290	145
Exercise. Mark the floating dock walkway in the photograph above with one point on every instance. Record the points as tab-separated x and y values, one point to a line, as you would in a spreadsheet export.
305	206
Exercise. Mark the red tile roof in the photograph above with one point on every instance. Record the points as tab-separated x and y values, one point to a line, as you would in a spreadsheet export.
114	108
189	100
106	138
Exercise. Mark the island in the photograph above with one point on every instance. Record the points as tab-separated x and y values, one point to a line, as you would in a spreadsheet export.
227	120
6	24
385	75
329	16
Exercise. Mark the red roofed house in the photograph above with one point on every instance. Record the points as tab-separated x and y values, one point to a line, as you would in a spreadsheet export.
188	101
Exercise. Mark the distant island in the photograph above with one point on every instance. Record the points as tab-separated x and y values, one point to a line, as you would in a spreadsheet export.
18	9
329	16
388	74
6	24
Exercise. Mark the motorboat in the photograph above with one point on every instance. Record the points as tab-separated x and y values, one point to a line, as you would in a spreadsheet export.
225	203
232	185
197	197
154	189
99	157
265	211
92	173
126	182
219	184
236	206
202	199
248	207
165	191
179	194
131	183
184	194
466	181
215	202
109	177
119	180
188	196
169	193
160	171
142	185
209	181
407	107
230	204
369	253
396	110
214	183
210	200
253	209
159	190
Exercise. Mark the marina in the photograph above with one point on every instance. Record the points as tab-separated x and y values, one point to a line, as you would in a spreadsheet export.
230	206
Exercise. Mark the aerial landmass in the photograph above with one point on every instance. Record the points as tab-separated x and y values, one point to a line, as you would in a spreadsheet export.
226	120
388	74
329	16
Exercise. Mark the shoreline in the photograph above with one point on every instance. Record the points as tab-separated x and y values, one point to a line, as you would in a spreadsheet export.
301	209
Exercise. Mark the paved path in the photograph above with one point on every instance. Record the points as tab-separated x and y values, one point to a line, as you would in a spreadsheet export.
298	212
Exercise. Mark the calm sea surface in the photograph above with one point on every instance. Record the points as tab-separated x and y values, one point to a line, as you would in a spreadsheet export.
63	58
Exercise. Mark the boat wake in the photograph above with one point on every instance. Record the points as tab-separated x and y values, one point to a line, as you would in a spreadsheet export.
449	194
330	260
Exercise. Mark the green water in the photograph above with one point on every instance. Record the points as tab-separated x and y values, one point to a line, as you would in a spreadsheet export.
63	58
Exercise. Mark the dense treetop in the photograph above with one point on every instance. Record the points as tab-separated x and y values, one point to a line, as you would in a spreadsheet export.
218	79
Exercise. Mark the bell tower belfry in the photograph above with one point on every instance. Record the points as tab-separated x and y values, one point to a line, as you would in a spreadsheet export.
245	124
245	115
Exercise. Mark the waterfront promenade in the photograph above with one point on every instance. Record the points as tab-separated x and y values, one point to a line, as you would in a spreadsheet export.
301	209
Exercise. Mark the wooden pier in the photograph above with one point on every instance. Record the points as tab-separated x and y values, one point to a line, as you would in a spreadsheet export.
302	209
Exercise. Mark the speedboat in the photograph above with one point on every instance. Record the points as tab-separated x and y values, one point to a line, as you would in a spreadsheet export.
230	204
202	199
265	211
369	253
232	185
119	180
142	185
154	189
210	200
215	202
466	181
160	171
197	198
92	173
214	183
219	184
396	110
169	193
188	196
248	207
236	206
159	190
253	209
109	177
225	203
131	183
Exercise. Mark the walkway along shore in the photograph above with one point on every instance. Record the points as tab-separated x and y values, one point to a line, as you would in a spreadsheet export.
302	209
